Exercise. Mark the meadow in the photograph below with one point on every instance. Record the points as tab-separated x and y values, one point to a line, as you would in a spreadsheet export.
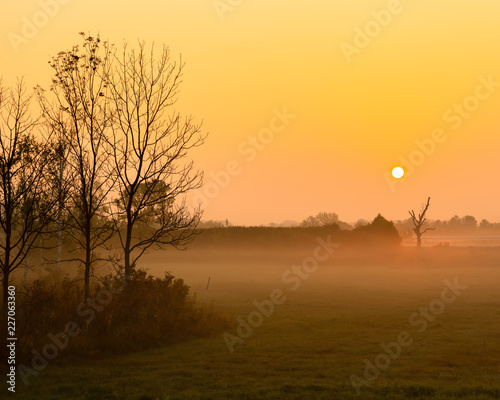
320	334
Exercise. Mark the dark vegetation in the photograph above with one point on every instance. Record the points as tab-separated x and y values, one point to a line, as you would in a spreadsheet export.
119	316
87	186
465	226
379	233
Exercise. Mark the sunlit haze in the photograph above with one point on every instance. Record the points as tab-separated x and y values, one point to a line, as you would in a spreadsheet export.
309	105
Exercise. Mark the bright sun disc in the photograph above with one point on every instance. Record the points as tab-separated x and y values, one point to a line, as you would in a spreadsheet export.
398	172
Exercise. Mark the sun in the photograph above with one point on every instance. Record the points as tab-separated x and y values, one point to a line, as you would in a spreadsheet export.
398	172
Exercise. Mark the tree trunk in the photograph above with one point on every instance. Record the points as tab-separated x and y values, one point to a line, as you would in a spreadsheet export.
59	217
59	251
419	241
88	263
26	266
126	251
87	275
5	294
41	256
59	242
6	260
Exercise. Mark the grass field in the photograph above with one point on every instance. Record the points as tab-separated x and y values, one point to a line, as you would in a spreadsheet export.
312	344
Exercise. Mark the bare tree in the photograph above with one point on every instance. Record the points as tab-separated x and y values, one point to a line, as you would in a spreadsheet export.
149	151
418	222
25	205
60	178
81	116
321	219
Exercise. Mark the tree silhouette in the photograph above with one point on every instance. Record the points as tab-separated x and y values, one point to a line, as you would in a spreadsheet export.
324	219
149	149
60	177
321	219
419	221
379	232
26	205
81	115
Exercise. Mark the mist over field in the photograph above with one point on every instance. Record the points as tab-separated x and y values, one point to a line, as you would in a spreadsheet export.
315	320
313	310
330	322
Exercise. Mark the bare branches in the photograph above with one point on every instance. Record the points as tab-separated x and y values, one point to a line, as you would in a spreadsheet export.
117	162
26	205
419	221
421	217
81	115
149	146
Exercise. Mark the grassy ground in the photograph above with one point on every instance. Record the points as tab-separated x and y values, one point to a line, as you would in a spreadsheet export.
313	343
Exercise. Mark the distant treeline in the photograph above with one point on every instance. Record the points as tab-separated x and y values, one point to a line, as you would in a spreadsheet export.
456	226
379	232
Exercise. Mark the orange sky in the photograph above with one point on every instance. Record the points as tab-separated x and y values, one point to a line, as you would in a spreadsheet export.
357	112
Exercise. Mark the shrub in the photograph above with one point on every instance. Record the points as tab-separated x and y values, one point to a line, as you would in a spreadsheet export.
148	312
152	311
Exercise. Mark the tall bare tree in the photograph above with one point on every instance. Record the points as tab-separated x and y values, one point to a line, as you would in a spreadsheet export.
419	221
81	115
26	207
60	178
149	144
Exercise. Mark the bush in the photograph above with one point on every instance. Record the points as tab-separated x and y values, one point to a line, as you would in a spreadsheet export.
152	311
44	307
146	312
379	233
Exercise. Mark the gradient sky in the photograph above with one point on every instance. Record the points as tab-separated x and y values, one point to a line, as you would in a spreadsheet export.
353	120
